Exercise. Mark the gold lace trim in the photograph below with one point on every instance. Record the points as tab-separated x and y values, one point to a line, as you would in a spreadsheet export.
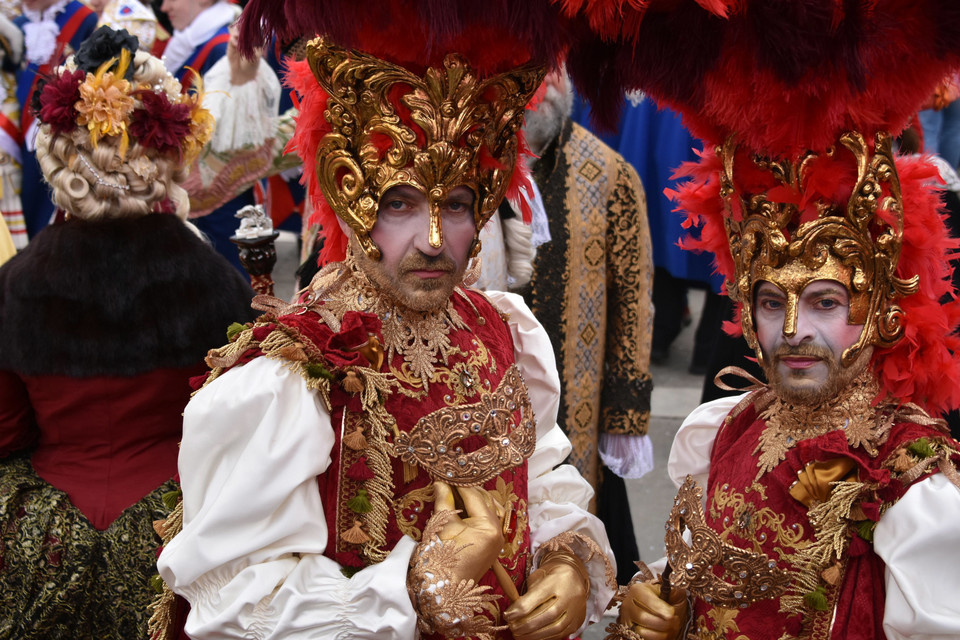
421	337
432	443
864	425
748	576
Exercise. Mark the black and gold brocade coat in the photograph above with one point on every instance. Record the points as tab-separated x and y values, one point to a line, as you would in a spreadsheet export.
591	290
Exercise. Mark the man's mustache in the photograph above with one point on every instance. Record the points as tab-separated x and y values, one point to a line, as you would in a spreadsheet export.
804	351
423	262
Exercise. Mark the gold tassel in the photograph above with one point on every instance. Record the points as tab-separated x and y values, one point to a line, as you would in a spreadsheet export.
352	382
293	352
832	574
355	439
356	534
410	472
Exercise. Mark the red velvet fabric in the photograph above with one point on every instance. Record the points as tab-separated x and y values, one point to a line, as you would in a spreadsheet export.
104	441
763	516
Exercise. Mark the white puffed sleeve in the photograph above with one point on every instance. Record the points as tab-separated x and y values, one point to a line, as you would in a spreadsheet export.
249	559
919	540
693	444
558	496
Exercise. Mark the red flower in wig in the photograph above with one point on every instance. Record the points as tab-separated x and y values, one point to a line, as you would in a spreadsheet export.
160	124
58	99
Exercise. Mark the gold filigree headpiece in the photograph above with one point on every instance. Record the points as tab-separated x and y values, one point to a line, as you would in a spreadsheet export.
857	244
435	132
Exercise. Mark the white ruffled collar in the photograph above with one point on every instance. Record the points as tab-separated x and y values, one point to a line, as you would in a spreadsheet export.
41	32
183	43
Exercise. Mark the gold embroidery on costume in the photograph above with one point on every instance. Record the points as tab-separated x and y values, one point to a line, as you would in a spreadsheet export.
432	443
864	425
751	523
421	337
747	576
408	508
724	623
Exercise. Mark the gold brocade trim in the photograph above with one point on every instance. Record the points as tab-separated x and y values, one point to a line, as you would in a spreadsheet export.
851	411
379	488
603	278
747	576
432	443
422	338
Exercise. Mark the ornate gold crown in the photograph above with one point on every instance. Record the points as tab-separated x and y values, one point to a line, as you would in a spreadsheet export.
445	129
858	247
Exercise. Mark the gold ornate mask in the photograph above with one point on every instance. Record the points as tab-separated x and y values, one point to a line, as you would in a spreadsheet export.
391	127
858	246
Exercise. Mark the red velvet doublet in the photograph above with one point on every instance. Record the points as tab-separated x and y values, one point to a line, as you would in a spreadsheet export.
842	597
473	380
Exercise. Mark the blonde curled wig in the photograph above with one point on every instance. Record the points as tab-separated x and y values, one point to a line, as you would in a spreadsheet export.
114	176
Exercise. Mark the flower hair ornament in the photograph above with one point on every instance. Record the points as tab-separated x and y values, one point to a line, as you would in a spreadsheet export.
96	90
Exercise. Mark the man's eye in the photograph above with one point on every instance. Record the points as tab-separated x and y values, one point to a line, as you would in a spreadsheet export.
771	304
827	303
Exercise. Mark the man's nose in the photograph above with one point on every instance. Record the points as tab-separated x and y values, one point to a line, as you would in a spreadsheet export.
430	240
797	327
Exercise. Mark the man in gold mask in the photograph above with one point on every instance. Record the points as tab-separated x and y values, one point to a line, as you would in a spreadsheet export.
380	456
824	503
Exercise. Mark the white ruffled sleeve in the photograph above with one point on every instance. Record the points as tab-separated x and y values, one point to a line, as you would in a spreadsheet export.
919	540
249	559
558	495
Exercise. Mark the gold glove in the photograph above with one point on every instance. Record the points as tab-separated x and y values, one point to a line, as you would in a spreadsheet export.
555	604
480	532
453	555
643	612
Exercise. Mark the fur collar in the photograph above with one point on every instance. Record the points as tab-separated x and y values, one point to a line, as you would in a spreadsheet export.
117	297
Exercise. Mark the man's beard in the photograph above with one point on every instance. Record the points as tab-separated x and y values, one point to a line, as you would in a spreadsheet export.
838	377
409	290
543	125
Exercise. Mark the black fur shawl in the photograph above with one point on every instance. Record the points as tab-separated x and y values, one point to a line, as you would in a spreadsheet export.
118	297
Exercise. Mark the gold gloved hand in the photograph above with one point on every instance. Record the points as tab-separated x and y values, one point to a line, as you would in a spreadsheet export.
651	618
481	531
555	604
453	552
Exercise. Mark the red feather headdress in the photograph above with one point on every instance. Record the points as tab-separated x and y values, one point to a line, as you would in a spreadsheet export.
776	86
492	38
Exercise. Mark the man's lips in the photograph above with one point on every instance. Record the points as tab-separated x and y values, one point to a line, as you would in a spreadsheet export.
799	362
429	273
